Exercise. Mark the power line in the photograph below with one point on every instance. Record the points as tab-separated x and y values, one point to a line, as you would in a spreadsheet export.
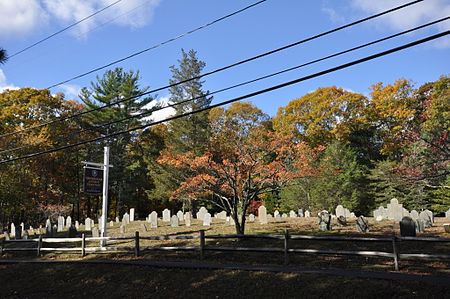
213	71
65	29
269	89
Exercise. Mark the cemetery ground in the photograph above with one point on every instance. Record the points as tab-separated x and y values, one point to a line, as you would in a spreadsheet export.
121	280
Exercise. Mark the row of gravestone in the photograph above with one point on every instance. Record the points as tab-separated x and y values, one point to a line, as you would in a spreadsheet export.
396	211
325	222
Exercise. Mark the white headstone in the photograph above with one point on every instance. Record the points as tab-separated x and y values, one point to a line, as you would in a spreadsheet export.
307	214
394	210
447	214
340	211
430	214
13	230
22	229
174	221
166	215
222	215
60	226
77	225
201	213
87	224
180	216
153	219
414	215
126	219
117	219
276	214
292	214
262	215
68	221
187	218
131	214
284	215
251	218
207	219
95	232
48	226
111	223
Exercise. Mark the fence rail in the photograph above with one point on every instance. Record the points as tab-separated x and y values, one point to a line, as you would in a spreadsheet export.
104	247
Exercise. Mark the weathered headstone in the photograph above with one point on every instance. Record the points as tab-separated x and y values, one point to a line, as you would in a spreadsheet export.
292	214
276	214
117	219
126	219
262	215
414	215
95	232
131	214
207	219
395	210
48	226
430	214
307	214
187	218
420	225
111	223
301	213
362	225
13	231
407	227
251	218
174	221
60	227
87	224
425	217
324	220
6	235
284	215
153	219
72	231
166	215
201	213
68	222
405	213
180	216
22	229
342	220
447	214
77	224
25	235
340	211
380	213
222	215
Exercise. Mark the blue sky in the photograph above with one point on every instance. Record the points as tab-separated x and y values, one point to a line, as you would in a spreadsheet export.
133	25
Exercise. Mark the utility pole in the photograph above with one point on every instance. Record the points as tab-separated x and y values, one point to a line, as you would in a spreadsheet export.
105	192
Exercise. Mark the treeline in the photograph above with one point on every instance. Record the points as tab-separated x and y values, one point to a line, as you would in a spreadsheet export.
328	147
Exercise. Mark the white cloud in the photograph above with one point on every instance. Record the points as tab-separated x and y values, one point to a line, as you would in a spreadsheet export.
163	113
21	17
4	85
408	17
71	91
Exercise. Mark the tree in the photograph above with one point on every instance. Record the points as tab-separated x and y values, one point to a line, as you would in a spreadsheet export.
3	56
244	160
186	134
113	86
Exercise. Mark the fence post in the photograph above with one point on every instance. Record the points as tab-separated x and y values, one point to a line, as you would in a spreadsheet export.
286	246
83	245
39	245
202	243
3	245
395	252
136	244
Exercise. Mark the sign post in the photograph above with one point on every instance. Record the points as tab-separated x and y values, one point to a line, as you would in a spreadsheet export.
96	176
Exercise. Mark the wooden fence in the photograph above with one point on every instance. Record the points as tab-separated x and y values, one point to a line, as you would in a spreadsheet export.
395	255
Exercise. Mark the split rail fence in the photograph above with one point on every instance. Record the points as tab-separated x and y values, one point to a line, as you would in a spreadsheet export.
286	250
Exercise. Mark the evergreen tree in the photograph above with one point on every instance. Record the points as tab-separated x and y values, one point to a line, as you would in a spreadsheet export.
3	56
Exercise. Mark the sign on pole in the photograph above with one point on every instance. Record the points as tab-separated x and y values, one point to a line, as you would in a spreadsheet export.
93	180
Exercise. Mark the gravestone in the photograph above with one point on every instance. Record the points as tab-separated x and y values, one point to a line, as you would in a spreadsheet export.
153	219
342	220
301	213
92	223
117	219
72	231
414	215
262	215
25	235
340	211
292	214
22	229
405	213
87	224
307	214
187	218
284	215
425	217
222	215
6	235
420	225
131	214
276	214
111	223
251	218
394	210
77	224
201	213
430	214
380	213
407	227
166	215
68	222
13	231
60	227
180	216
174	221
447	214
324	220
362	225
126	219
95	232
447	227
48	226
122	228
207	219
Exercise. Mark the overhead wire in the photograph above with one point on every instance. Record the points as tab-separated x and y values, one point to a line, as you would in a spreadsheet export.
213	71
152	110
239	98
